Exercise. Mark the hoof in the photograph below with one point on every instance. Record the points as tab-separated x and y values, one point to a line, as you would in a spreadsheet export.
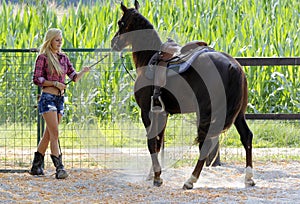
157	182
248	177
188	186
249	183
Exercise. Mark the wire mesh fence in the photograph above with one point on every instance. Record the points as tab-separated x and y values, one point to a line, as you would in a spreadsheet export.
101	126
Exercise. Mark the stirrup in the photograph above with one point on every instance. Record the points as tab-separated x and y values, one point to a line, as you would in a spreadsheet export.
157	109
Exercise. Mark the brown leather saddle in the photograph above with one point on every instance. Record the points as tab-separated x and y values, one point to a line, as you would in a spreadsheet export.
178	63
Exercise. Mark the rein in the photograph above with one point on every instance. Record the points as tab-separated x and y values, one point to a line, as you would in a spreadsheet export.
123	64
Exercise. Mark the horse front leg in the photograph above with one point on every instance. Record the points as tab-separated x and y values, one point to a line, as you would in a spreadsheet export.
155	136
159	145
157	181
246	139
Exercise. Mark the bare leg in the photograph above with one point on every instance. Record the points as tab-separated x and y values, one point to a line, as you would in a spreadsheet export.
52	120
44	142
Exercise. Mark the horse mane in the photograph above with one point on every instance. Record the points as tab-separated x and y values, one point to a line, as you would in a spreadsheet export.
140	21
142	51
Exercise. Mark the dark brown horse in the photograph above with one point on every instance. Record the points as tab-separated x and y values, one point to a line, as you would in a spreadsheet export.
214	87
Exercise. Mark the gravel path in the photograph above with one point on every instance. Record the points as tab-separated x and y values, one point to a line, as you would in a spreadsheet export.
275	182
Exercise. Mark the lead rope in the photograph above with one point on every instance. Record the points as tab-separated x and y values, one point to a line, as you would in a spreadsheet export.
91	66
59	91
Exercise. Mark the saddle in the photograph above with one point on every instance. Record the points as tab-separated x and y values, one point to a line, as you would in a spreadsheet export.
179	61
169	61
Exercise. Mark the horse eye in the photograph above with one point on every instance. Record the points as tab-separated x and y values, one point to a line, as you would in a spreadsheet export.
121	23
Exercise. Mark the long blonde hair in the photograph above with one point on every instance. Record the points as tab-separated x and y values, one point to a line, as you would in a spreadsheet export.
46	48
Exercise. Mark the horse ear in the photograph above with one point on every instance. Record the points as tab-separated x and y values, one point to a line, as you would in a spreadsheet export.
123	7
136	5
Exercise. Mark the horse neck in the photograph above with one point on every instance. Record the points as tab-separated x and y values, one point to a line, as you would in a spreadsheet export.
145	46
142	58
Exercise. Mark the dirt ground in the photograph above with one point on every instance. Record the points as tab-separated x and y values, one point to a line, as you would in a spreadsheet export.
275	183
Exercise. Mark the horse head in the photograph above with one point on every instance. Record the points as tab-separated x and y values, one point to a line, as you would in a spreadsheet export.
137	31
126	24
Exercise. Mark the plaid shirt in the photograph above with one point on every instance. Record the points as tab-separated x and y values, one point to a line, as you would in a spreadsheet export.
42	73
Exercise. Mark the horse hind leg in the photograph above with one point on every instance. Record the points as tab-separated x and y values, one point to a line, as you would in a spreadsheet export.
205	146
246	139
189	184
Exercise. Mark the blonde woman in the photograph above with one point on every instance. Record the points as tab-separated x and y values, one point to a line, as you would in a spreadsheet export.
51	68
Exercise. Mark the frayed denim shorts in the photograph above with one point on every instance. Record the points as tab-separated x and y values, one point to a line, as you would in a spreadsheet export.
50	102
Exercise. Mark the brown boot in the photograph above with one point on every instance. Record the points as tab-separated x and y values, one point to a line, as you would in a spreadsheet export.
37	164
60	171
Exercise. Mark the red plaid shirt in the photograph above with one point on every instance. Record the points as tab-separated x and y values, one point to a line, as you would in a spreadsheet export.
42	73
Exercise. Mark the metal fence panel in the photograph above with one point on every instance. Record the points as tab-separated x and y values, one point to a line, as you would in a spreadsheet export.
95	131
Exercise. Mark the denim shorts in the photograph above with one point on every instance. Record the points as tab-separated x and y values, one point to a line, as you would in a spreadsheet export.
50	102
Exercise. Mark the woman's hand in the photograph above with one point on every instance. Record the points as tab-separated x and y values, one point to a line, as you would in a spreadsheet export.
81	73
59	85
85	69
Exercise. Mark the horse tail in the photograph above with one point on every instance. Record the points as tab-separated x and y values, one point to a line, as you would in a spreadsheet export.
235	92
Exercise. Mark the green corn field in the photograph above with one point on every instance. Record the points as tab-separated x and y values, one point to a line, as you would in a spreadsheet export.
242	28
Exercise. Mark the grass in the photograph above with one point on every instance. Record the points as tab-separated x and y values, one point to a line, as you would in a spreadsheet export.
267	134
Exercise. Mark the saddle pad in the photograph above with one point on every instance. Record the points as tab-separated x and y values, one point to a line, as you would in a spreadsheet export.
178	64
182	64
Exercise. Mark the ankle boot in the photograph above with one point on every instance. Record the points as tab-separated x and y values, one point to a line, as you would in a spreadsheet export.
60	172
37	164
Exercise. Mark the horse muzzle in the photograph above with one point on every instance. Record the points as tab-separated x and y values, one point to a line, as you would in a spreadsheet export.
115	45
